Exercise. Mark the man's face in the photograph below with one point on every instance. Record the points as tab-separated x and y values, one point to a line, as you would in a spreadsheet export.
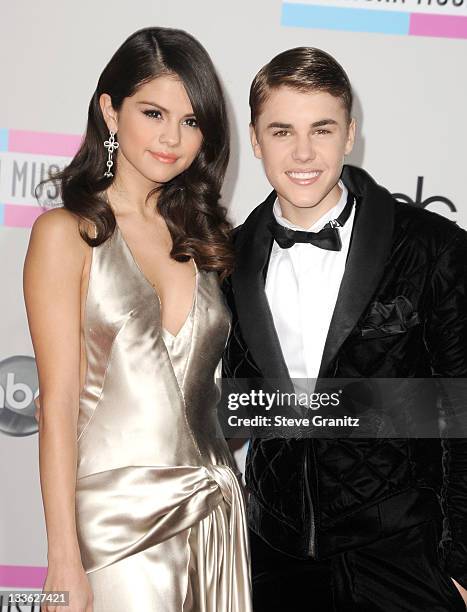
302	138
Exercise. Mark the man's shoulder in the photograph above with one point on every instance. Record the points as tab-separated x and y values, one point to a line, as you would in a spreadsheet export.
236	231
411	221
430	227
254	218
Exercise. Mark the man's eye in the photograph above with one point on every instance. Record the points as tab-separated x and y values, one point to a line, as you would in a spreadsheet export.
323	131
281	133
154	114
192	122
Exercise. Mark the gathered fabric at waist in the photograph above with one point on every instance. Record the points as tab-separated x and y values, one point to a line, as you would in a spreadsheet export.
123	511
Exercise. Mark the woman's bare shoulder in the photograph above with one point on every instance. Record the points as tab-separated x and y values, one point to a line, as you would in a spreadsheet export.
56	221
60	228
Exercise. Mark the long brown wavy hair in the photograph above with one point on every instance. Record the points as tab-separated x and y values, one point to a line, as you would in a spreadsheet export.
190	202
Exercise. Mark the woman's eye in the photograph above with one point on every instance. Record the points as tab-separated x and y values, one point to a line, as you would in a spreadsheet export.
192	122
154	114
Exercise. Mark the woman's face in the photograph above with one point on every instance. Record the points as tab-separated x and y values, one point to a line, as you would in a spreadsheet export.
157	132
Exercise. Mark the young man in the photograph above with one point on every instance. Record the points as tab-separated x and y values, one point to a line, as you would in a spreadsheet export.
336	279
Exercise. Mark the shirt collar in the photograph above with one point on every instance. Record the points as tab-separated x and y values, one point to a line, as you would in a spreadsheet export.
333	213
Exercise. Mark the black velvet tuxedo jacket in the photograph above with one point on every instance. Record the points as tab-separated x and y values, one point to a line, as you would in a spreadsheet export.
401	312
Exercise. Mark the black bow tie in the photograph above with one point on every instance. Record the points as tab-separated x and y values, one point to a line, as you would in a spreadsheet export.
327	238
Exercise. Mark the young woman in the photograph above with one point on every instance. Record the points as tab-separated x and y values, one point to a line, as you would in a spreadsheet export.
143	509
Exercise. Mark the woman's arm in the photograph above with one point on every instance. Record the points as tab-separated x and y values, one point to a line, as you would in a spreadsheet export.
53	276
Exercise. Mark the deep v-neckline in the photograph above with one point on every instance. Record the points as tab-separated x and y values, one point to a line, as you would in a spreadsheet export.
154	290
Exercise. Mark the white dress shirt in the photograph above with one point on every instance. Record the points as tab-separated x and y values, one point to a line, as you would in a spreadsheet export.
302	284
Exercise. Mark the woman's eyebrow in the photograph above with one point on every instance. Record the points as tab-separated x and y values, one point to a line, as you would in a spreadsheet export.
165	110
154	104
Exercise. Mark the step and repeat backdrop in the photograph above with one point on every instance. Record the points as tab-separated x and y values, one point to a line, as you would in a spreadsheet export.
405	58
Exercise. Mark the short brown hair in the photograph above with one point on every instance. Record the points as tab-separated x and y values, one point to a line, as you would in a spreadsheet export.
304	69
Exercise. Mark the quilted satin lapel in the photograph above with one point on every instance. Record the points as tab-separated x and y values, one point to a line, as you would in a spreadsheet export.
370	245
253	249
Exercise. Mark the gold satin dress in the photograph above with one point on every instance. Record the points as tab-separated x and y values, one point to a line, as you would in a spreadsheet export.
159	510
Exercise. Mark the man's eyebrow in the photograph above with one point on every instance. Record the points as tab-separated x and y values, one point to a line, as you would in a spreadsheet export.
322	122
162	108
315	124
282	126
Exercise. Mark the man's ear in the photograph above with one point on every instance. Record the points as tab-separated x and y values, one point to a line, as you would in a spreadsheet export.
108	112
350	136
254	143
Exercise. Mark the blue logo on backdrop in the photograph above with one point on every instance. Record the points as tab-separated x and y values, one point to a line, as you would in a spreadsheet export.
18	387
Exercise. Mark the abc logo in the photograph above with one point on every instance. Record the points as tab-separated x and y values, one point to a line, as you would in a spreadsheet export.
18	388
437	203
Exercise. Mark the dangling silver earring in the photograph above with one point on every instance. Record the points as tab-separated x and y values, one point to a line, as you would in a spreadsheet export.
110	145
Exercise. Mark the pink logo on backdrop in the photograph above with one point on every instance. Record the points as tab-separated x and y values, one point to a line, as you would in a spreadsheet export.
437	18
25	159
22	576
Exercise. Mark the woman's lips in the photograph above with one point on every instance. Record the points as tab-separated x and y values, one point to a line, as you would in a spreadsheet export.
165	158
